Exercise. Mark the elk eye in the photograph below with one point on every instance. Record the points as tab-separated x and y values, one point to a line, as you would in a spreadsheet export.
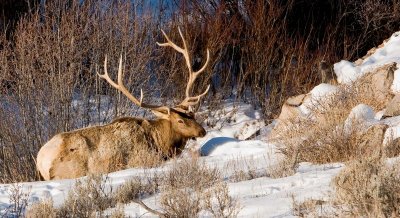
180	121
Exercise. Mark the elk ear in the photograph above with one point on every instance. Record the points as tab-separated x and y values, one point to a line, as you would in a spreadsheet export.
162	114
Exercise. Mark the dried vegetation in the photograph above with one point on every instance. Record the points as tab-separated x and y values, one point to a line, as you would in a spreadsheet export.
50	56
188	189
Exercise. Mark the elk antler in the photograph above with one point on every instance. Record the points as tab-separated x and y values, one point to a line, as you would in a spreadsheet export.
120	86
188	101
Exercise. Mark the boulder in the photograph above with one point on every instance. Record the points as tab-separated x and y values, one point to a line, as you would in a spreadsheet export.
377	83
393	107
290	111
371	142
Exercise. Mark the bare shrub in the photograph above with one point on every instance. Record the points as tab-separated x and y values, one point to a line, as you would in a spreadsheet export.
18	198
182	203
309	208
184	171
328	138
184	186
135	189
50	78
191	187
391	146
219	203
118	212
285	167
87	198
242	169
41	209
91	197
368	187
187	189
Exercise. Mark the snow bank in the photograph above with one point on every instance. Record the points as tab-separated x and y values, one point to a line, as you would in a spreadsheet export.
390	52
347	72
317	94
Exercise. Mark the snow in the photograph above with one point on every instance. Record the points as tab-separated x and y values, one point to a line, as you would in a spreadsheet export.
322	90
348	72
390	52
319	92
396	82
361	113
221	148
238	141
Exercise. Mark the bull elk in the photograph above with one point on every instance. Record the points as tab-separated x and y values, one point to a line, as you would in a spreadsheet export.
120	144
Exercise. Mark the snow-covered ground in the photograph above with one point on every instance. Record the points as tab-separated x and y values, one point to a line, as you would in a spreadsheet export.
223	149
240	143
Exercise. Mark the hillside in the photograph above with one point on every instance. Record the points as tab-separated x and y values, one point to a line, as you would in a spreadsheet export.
248	155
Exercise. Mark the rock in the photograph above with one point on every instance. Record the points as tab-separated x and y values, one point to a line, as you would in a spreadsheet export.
393	107
371	142
290	112
295	101
377	84
361	113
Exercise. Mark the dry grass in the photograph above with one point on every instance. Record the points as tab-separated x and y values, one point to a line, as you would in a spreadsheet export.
18	197
308	208
41	209
243	169
135	189
184	188
88	198
188	189
286	166
329	137
368	188
191	187
118	212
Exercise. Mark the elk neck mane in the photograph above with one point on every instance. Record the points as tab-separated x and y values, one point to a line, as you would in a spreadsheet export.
160	133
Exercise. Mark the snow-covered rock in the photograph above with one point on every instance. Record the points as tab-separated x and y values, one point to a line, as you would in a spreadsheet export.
360	115
318	94
346	72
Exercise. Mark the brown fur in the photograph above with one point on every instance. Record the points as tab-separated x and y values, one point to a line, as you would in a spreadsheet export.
118	145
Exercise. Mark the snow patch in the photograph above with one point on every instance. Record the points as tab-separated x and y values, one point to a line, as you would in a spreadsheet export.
346	72
318	93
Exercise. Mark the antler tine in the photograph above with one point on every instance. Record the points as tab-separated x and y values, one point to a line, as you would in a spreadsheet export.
191	101
121	87
193	76
183	51
170	43
188	101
